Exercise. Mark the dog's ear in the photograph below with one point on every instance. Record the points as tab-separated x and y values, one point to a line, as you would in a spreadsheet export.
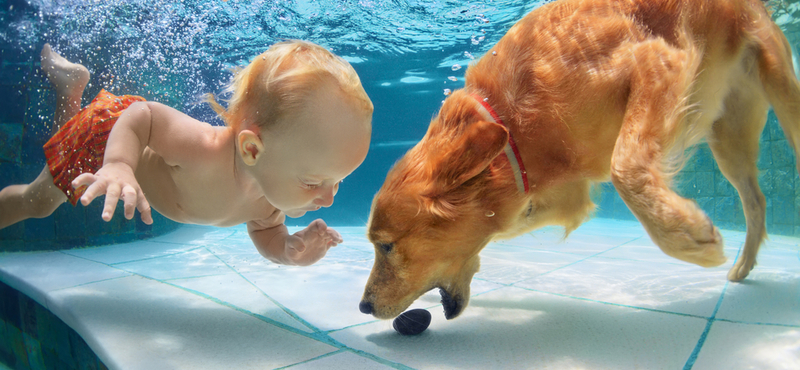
465	156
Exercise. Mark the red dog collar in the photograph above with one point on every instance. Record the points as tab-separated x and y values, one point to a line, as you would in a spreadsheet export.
511	151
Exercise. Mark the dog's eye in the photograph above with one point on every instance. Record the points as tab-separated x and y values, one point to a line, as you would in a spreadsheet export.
386	247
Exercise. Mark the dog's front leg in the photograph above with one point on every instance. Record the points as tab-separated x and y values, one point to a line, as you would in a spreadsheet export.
660	83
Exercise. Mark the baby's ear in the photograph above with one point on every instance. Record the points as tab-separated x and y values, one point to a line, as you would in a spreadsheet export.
249	146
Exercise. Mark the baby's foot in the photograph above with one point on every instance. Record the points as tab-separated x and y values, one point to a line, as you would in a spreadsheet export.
65	76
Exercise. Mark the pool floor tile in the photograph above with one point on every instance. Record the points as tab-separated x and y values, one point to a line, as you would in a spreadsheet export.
604	298
137	323
513	328
741	346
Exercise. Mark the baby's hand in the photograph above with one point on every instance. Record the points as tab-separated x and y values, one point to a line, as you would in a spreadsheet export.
309	245
116	181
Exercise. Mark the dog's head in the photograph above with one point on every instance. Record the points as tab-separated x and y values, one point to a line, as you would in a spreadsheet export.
438	207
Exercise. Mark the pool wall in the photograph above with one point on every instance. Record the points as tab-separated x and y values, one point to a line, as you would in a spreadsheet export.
32	337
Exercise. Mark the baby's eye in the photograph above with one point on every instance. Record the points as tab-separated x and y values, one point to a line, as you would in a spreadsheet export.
307	185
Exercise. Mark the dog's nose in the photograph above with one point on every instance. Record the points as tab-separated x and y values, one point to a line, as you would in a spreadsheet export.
365	307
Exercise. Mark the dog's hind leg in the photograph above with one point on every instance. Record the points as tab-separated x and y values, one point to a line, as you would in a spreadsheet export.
783	93
654	120
734	142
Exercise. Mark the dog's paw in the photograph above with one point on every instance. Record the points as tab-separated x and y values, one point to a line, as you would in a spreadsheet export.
740	269
695	242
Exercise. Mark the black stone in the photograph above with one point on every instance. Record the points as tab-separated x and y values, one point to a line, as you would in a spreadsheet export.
412	322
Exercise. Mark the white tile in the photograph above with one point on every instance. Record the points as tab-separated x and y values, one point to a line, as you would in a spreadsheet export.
136	323
765	296
37	273
737	346
327	296
193	263
645	250
686	289
508	264
512	328
207	299
135	251
240	256
198	235
234	290
341	361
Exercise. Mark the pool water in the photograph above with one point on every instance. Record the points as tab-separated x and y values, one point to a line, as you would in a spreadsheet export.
191	297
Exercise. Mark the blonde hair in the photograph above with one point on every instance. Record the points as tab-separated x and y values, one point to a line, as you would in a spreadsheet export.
279	81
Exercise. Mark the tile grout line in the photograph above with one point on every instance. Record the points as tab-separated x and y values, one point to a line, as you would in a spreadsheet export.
578	261
704	335
336	352
317	334
285	309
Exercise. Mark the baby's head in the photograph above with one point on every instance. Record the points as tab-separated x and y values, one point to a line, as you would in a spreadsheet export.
302	122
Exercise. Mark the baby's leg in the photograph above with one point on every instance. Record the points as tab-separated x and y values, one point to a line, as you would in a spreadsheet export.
68	80
40	198
35	200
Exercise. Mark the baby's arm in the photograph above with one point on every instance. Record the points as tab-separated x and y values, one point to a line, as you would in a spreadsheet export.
303	248
173	135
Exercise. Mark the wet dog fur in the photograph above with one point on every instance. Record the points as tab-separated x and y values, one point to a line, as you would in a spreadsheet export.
591	91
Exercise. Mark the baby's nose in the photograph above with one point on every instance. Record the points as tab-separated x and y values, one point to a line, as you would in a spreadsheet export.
325	199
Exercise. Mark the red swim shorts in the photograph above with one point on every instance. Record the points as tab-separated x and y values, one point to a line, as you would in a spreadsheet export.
79	146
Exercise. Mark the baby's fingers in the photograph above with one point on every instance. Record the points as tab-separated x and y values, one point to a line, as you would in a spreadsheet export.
94	189
130	200
335	236
144	210
112	197
85	179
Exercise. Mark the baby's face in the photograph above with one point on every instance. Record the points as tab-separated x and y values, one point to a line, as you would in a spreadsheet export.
313	151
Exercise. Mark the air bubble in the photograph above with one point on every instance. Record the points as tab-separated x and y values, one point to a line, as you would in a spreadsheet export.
456	67
452	78
447	91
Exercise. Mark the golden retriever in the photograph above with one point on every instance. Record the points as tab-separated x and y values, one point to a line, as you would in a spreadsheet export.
580	92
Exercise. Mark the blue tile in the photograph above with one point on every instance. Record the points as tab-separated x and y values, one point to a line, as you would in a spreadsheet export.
781	153
764	155
33	347
783	182
723	187
783	210
780	229
40	229
10	142
766	182
686	184
15	231
726	208
70	221
774	128
11	174
707	204
12	106
704	159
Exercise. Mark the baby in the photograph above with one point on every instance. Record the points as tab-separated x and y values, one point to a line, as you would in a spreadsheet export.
298	123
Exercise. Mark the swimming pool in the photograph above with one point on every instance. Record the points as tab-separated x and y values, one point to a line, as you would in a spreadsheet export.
407	54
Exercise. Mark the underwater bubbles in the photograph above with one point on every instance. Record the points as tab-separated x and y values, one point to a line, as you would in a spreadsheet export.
455	67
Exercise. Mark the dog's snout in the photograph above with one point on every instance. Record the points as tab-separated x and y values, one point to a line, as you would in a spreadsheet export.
365	307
